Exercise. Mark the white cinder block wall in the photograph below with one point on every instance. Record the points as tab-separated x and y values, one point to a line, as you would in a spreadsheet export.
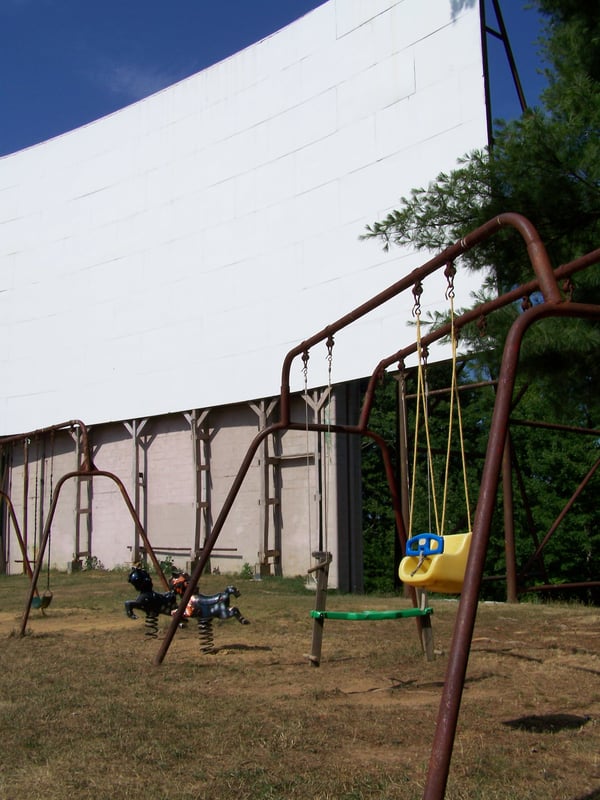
166	257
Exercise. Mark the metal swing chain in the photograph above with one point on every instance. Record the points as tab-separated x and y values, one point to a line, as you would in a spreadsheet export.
50	500
330	344
417	291
422	394
422	361
305	359
35	499
450	273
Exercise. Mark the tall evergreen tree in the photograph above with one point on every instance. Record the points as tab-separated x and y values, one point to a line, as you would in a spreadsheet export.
546	166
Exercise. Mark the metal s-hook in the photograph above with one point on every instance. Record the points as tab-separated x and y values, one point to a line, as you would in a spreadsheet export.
417	291
330	343
449	274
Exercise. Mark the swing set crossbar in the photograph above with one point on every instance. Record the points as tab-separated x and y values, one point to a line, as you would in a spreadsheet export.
373	615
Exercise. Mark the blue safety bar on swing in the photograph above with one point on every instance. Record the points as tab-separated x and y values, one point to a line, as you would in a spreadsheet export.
425	544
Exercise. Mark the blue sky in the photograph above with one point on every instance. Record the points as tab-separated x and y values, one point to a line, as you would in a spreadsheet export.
64	63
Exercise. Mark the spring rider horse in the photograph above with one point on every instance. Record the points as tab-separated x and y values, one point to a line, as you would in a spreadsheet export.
154	603
202	607
205	608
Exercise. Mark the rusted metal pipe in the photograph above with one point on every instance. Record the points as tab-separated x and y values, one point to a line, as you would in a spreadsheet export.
555	587
20	539
445	731
482	310
25	494
528	515
235	488
86	464
554	426
564	511
460	388
545	280
509	527
213	537
48	526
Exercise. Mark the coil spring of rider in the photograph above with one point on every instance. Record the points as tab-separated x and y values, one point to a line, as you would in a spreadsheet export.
206	634
151	624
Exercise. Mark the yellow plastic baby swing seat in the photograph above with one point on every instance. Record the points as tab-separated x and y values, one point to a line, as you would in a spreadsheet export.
436	563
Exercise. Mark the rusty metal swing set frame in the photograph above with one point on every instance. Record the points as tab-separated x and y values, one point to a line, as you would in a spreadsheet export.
86	470
545	280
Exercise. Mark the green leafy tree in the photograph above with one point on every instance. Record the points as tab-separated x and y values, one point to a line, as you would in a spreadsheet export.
546	166
378	523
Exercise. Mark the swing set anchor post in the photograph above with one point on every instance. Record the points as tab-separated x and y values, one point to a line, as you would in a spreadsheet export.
322	570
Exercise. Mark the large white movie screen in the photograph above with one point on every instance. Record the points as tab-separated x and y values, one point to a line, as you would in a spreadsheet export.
168	256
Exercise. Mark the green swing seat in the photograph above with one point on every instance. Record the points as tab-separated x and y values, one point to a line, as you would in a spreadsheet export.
372	615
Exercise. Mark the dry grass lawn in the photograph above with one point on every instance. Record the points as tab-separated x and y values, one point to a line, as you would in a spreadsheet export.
86	715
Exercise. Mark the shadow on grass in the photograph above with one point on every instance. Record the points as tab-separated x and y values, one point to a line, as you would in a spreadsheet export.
548	723
241	647
593	795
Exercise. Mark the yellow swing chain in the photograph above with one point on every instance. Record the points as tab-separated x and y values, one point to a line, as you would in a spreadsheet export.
454	397
422	400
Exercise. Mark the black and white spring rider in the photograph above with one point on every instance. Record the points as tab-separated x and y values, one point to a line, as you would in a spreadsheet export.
154	603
